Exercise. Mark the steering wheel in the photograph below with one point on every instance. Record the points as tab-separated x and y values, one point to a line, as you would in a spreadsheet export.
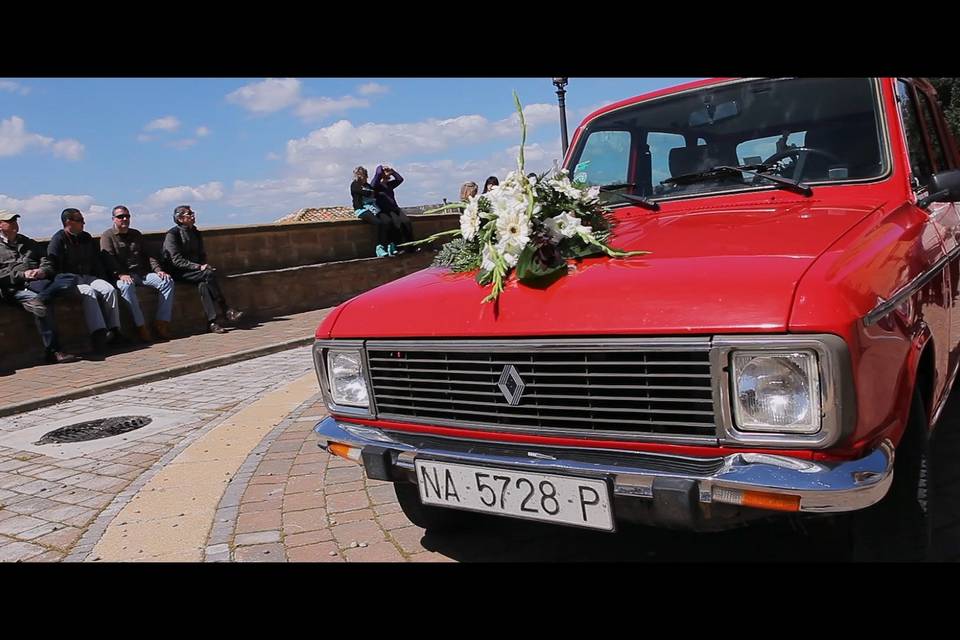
801	153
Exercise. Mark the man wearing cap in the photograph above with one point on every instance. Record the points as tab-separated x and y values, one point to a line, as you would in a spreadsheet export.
20	262
185	258
125	259
73	250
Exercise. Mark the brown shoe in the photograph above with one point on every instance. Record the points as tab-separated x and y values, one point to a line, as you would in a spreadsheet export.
144	334
162	327
215	328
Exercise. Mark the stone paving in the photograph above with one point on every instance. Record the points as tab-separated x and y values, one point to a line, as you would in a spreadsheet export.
49	383
52	508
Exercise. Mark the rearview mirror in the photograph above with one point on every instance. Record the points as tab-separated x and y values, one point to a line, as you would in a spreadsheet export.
712	113
944	187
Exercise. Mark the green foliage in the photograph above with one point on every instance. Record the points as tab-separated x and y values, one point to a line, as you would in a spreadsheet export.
458	255
948	92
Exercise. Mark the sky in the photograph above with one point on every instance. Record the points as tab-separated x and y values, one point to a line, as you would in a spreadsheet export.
251	150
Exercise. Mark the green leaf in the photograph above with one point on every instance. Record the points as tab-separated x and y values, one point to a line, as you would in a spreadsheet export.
534	274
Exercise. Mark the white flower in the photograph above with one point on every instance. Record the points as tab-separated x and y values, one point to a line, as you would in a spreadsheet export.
566	224
564	186
487	257
592	194
470	220
513	232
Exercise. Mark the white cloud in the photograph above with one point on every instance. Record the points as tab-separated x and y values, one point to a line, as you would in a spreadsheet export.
273	156
185	143
166	123
41	213
144	138
315	108
14	87
202	132
67	148
344	142
267	96
372	89
184	194
15	139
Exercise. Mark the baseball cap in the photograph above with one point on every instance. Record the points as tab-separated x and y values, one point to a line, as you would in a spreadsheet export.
6	215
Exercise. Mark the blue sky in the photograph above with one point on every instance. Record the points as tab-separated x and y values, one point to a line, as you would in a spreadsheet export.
245	151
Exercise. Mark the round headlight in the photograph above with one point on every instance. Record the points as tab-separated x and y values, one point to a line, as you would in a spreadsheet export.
777	392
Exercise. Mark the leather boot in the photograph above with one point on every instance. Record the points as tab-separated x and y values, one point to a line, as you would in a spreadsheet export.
215	328
144	334
162	328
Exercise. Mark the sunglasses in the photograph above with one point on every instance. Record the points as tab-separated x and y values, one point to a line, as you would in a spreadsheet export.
123	216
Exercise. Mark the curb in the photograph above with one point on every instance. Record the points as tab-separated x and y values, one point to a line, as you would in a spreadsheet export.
130	381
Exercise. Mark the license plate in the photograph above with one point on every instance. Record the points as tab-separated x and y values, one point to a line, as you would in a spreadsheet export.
582	502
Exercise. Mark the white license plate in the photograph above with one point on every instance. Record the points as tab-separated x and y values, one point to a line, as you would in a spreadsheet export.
582	502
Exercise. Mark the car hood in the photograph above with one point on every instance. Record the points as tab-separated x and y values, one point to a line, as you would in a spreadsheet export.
719	269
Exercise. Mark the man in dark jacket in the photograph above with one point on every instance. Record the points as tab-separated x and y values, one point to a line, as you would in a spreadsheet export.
72	250
385	180
125	258
185	258
20	263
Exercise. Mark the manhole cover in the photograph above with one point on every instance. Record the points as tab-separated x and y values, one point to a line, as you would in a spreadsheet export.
94	429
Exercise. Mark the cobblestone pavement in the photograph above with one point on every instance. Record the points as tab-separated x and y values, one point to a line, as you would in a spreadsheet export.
44	382
56	508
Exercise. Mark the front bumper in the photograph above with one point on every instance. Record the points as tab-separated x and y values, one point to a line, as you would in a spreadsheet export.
657	489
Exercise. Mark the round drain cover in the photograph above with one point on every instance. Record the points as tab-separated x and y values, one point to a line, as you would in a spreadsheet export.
94	429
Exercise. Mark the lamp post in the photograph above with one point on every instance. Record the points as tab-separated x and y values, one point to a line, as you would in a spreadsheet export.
560	83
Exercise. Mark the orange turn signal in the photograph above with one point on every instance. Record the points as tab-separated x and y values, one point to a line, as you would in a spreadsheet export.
757	499
344	451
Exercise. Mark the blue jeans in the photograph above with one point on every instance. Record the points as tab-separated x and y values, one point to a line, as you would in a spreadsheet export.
128	292
46	325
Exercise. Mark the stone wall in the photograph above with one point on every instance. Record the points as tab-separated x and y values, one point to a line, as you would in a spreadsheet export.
266	270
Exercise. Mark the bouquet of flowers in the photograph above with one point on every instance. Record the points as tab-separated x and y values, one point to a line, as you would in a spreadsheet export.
531	225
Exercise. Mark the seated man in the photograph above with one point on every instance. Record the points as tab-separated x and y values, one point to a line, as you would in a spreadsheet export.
20	262
74	251
185	258
125	259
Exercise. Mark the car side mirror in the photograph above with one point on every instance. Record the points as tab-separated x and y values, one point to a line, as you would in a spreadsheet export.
944	187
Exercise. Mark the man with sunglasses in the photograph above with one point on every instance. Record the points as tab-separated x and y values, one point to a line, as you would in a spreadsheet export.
185	258
74	251
20	264
125	258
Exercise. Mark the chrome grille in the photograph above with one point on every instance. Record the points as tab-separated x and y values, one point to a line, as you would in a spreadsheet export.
609	389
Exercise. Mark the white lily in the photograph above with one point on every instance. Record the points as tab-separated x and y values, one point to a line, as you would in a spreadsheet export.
470	220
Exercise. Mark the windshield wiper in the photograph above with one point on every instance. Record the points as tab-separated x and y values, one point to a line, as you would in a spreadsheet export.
640	200
761	170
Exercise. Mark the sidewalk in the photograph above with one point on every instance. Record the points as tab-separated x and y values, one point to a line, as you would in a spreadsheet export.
41	385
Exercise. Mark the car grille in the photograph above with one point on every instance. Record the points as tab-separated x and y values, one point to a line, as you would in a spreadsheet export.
622	390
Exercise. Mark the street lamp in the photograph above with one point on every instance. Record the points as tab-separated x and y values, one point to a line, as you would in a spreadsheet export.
560	83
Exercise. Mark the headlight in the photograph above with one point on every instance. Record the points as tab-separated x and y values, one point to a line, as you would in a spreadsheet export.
348	385
776	392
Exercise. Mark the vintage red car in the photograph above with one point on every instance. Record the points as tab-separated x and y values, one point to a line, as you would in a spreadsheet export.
786	349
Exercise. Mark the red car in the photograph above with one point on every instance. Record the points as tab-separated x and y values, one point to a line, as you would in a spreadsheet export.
786	349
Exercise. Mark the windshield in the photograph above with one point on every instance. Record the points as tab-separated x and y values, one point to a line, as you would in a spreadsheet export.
810	130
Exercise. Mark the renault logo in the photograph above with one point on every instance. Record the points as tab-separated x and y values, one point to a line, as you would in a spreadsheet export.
511	385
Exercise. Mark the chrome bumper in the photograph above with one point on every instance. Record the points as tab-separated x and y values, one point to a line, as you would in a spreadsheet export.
821	486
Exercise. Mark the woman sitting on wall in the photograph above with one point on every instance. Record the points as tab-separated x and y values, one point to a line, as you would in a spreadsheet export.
385	180
365	207
490	183
467	191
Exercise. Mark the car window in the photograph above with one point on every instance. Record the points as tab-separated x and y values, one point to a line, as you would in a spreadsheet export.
832	126
660	146
919	160
756	151
605	159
